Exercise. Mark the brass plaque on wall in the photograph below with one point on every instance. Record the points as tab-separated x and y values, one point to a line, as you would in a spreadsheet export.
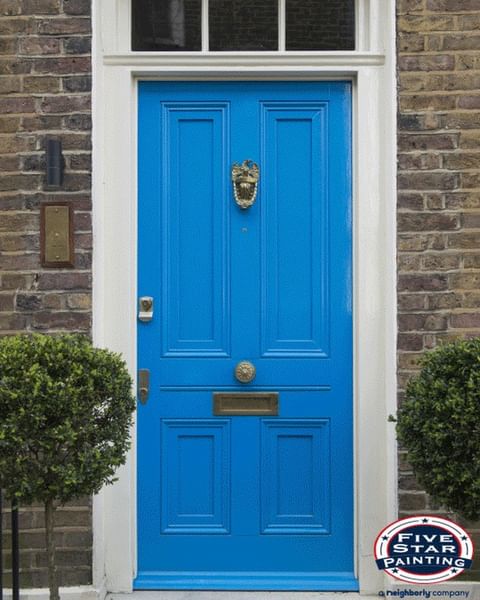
56	235
245	403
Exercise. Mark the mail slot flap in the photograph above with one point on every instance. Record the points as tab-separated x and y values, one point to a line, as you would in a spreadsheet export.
245	403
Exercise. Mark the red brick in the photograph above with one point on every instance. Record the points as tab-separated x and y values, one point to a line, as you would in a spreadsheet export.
432	141
410	6
412	301
71	321
412	501
76	7
12	66
9	8
461	42
425	23
39	45
9	124
418	242
472	102
418	283
19	104
467	120
439	62
466	281
410	42
444	301
462	200
471	261
64	281
427	181
453	5
471	221
12	322
427	222
9	163
15	26
422	162
6	302
410	201
464	240
40	7
465	320
64	26
63	65
461	161
441	262
16	242
65	104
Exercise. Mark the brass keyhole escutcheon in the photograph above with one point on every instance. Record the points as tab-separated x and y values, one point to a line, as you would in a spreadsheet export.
245	371
147	304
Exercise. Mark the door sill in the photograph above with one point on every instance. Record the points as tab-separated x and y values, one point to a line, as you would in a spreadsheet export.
251	581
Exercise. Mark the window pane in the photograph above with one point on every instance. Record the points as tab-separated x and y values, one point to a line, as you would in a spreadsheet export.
243	24
166	25
320	24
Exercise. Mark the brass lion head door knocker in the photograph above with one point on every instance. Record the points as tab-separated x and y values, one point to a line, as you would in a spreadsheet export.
245	182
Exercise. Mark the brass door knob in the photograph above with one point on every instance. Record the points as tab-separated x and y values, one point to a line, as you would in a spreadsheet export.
245	372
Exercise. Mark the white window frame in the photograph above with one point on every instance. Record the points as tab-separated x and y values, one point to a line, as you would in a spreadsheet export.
205	29
371	67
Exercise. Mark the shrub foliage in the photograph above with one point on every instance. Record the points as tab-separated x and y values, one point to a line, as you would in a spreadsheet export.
66	410
439	424
65	415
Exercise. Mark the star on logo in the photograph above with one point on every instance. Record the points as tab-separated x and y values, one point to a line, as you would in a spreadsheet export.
394	570
385	537
464	538
454	570
424	520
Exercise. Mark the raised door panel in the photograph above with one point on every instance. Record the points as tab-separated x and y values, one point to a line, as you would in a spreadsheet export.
195	230
296	476
295	314
196	476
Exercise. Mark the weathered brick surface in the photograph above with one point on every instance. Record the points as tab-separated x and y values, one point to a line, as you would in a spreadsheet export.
439	192
45	83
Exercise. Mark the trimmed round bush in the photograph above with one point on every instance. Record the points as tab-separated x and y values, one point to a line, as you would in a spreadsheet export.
439	425
65	416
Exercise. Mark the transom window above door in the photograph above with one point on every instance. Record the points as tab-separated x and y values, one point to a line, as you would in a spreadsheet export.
242	25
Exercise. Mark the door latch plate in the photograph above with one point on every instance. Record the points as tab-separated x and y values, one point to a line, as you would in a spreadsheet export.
143	385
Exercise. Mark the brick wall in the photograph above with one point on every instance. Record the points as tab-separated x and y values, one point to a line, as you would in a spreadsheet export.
45	79
439	190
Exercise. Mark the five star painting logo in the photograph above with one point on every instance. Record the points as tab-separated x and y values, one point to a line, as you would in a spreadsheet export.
423	549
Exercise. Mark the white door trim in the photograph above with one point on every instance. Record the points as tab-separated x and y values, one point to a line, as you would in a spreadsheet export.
372	70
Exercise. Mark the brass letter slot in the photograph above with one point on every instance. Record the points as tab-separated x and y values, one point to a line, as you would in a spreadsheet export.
245	403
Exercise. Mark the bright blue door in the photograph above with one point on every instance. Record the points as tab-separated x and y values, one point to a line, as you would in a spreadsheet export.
245	502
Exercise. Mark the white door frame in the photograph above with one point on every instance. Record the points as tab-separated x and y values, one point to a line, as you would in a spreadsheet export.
372	70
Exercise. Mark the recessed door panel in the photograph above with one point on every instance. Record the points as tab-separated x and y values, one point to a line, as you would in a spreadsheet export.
232	495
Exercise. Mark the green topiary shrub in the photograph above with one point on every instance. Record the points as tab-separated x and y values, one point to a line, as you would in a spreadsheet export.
439	425
65	416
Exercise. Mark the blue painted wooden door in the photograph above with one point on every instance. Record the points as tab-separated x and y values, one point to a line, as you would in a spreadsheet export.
245	502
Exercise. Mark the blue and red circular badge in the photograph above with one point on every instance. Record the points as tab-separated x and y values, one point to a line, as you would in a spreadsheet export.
423	549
